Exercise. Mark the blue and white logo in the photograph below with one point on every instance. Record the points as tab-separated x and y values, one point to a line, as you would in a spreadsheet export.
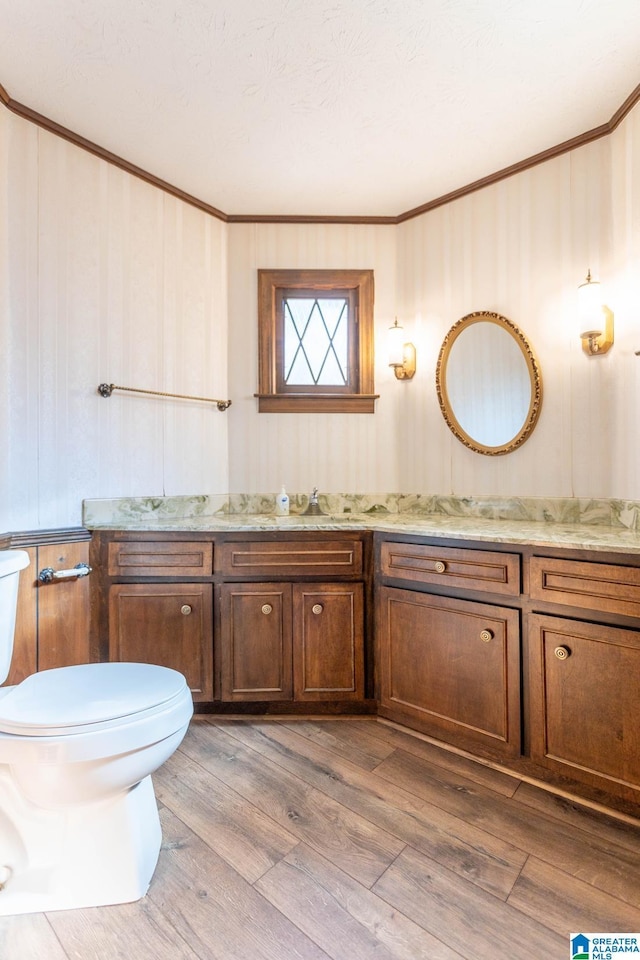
604	946
580	947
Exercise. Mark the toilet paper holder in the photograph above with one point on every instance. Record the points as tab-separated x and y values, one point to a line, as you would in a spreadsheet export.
48	574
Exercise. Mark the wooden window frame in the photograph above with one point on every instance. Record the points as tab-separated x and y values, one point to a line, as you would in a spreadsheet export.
358	398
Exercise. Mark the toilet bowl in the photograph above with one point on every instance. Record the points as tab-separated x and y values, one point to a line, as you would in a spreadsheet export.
79	822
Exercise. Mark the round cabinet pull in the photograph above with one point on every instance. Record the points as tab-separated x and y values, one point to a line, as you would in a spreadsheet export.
486	635
185	610
562	653
267	608
439	566
316	608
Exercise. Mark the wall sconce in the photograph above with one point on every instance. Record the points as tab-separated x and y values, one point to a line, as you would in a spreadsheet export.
402	356
596	319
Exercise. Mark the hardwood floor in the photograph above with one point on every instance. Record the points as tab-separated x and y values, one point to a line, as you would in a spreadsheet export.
295	839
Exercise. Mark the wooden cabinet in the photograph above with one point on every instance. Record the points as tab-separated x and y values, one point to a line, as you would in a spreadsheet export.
168	624
155	603
560	703
528	660
585	703
328	641
449	665
284	641
585	676
296	639
256	641
451	668
247	618
52	619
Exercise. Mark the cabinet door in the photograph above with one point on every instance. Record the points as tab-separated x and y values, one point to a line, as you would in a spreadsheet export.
451	668
585	716
52	619
63	608
328	641
255	641
167	624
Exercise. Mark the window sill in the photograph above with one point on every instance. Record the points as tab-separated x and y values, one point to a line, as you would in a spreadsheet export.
317	403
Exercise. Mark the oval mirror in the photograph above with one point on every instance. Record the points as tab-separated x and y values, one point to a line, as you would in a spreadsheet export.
489	383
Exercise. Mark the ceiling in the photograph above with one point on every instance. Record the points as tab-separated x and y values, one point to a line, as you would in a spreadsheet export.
321	107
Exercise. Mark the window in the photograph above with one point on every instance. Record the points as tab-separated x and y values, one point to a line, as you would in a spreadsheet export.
315	341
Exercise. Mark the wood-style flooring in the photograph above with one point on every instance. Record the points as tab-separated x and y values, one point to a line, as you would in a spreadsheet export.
308	839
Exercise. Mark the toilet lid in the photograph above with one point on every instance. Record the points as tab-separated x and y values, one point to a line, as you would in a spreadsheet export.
54	701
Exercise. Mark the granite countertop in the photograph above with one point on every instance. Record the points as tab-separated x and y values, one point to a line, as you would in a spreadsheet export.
540	533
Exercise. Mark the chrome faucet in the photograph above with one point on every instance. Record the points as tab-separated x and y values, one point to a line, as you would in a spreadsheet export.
313	507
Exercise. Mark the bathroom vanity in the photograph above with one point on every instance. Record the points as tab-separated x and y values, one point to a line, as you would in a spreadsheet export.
515	642
529	657
254	619
523	652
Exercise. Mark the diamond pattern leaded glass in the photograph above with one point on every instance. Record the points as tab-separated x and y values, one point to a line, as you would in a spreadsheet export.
316	341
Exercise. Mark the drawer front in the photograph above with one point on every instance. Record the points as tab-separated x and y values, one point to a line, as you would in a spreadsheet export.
157	558
592	586
291	558
452	567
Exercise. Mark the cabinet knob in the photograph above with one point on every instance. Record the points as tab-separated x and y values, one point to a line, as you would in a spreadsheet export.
316	608
486	635
562	653
185	610
439	566
267	608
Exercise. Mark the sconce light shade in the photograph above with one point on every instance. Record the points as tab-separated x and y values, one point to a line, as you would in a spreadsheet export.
402	356
395	343
590	308
596	319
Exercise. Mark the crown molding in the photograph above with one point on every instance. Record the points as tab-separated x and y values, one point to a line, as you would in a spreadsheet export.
549	154
589	136
21	110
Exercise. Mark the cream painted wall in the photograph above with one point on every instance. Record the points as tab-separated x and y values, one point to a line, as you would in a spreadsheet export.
105	278
339	452
623	406
520	248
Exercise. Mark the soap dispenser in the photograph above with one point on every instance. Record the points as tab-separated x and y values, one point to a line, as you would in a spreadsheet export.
282	503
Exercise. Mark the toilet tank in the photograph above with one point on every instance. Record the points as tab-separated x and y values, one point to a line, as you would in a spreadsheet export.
11	563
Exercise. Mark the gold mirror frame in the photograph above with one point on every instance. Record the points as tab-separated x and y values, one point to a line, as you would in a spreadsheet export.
533	369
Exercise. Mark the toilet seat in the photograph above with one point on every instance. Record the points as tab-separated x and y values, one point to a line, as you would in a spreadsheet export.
27	738
68	701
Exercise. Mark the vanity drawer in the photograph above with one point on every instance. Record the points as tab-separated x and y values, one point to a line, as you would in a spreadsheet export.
609	587
452	567
160	558
290	558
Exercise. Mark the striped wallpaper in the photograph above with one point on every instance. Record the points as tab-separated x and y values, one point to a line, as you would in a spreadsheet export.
106	278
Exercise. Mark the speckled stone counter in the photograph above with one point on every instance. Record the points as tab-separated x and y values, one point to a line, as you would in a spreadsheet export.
605	525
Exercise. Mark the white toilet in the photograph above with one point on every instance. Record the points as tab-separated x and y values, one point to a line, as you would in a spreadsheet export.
79	823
